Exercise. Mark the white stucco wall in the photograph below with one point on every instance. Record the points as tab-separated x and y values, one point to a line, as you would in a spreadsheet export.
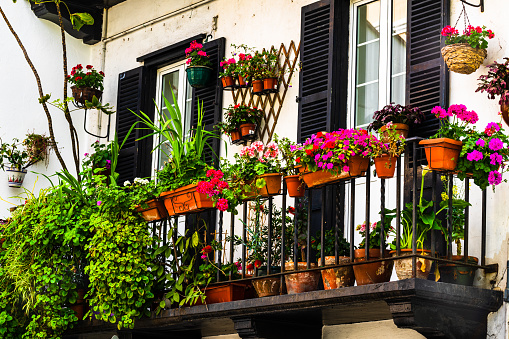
20	111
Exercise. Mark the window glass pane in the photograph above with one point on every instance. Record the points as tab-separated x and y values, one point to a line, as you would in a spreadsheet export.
398	64
367	62
188	112
170	81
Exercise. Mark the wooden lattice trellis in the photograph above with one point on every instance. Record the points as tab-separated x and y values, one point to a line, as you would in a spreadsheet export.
271	103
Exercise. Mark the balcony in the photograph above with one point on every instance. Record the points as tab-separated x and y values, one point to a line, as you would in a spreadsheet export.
434	309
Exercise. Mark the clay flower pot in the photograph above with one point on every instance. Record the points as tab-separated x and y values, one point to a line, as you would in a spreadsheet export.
185	200
295	186
235	136
401	129
267	286
337	277
270	84
224	293
404	266
228	81
301	282
504	108
80	307
442	153
243	82
385	166
272	186
247	129
457	273
257	86
357	164
154	211
371	273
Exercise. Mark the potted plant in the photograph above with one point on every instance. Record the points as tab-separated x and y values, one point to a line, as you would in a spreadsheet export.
375	272
386	152
483	156
145	199
443	149
495	83
270	71
325	158
243	65
228	74
17	157
80	279
294	183
215	186
88	83
402	117
99	162
466	52
242	118
334	277
199	70
256	72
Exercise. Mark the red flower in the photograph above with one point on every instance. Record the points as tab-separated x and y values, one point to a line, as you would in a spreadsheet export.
297	160
478	29
101	72
315	147
207	249
79	66
250	267
309	152
78	78
291	210
319	134
236	106
258	263
90	66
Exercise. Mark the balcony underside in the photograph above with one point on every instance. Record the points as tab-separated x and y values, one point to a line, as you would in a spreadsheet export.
436	310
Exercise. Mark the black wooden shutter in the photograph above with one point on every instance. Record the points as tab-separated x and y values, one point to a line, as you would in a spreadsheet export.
427	76
212	98
129	98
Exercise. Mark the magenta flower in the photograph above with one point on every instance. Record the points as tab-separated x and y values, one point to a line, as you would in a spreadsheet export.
99	203
474	156
480	143
346	169
86	154
495	159
204	256
496	144
440	113
330	165
222	204
494	178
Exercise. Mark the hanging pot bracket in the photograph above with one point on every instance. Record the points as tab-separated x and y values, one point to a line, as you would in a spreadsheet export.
481	4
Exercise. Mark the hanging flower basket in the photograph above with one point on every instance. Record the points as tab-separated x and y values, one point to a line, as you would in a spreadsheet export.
463	58
272	186
185	200
154	211
83	94
15	177
199	76
357	167
442	153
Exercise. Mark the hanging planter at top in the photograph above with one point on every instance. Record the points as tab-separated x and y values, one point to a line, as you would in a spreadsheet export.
87	83
465	53
199	72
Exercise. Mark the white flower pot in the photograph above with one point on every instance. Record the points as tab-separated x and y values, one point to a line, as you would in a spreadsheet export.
15	177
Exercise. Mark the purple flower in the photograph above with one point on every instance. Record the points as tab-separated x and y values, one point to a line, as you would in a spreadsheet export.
474	156
494	178
99	203
496	144
480	143
495	158
108	164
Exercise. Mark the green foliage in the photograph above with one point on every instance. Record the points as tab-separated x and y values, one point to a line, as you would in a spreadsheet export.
87	77
101	158
32	150
330	244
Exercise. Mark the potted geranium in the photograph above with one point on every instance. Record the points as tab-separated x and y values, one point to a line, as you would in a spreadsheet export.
270	71
386	152
228	74
256	72
402	117
199	70
243	65
329	157
294	183
464	53
88	83
443	149
240	121
144	195
495	83
216	187
483	156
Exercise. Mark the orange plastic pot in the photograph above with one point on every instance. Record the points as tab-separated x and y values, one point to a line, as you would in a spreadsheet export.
226	293
257	86
385	166
243	81
185	200
228	81
371	273
247	129
235	135
270	84
272	186
301	282
357	165
442	153
295	186
401	129
154	211
337	277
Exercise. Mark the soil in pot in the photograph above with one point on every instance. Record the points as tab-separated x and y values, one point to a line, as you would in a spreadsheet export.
404	266
267	286
442	153
337	277
295	186
301	282
372	273
385	166
457	273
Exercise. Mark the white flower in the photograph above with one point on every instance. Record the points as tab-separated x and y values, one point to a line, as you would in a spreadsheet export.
127	183
140	181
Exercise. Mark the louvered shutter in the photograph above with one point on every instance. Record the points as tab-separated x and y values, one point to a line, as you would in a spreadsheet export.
129	98
212	98
427	76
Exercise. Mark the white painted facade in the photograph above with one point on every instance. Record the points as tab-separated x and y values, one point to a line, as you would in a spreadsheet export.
137	27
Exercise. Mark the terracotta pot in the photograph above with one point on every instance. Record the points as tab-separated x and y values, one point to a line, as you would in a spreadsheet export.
270	84
372	273
247	129
385	166
404	266
272	186
243	82
154	211
235	135
504	108
80	307
401	129
295	186
228	81
15	177
357	164
83	94
442	153
267	286
224	293
185	200
457	273
337	277
257	86
301	282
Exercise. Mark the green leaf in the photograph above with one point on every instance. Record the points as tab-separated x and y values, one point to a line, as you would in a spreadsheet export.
196	239
78	20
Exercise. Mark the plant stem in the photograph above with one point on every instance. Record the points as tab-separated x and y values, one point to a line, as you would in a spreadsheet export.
39	86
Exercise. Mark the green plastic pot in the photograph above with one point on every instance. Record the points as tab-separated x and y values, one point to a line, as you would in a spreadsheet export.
199	76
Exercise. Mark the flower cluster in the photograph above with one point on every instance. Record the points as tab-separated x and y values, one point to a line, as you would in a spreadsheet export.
391	143
495	82
205	251
374	233
457	128
260	152
214	188
196	56
229	67
474	36
101	158
86	77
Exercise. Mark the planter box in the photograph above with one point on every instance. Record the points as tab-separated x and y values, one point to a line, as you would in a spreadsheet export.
272	186
154	211
224	293
442	154
357	164
185	200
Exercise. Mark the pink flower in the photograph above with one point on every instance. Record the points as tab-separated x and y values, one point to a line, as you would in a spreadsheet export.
491	128
202	53
210	173
480	143
204	256
258	145
440	113
346	169
474	156
494	178
99	203
330	166
188	61
495	159
495	144
222	204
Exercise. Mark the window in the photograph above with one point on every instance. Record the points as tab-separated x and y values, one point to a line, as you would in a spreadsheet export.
378	57
169	78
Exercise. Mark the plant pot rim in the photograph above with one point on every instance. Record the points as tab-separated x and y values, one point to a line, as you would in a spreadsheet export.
14	169
180	189
199	66
440	140
399	125
409	249
291	176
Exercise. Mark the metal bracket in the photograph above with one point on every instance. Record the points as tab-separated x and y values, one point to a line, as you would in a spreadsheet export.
481	4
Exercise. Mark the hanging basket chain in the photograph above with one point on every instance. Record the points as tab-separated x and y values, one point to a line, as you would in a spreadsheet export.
465	17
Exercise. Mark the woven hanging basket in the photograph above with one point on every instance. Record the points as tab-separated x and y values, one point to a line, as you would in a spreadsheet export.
462	58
